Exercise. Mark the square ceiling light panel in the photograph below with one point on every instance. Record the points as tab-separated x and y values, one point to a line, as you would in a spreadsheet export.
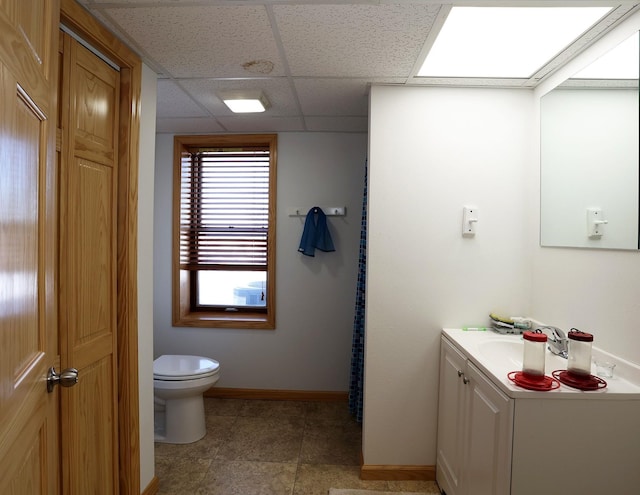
504	41
245	101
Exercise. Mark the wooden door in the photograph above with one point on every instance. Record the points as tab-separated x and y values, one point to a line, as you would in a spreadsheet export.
29	456
88	235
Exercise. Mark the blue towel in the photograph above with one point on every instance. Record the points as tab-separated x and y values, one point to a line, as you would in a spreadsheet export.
316	233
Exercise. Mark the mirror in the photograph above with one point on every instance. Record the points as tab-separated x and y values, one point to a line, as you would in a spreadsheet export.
589	191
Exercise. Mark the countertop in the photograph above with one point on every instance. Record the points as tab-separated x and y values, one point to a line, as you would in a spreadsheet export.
483	347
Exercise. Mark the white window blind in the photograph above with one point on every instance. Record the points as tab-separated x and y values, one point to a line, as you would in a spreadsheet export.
224	208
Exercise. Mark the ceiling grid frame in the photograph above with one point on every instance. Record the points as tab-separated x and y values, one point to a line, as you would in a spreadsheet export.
325	56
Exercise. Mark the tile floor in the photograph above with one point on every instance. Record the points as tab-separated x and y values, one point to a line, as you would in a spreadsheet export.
256	447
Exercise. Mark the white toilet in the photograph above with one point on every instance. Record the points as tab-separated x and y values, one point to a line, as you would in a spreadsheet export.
178	384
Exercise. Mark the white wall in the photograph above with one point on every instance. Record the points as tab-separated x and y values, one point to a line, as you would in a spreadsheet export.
433	151
311	347
595	291
145	272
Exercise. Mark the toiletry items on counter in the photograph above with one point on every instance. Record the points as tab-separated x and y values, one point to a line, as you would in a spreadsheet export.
522	323
512	324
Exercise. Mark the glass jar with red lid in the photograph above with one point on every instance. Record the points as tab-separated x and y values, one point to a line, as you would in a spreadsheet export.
579	352
533	361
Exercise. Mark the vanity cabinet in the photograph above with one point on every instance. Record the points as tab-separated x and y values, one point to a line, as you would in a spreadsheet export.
495	438
475	425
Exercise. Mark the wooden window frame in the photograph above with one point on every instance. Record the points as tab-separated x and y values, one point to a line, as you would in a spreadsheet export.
184	313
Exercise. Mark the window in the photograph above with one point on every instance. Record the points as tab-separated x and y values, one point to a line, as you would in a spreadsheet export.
224	231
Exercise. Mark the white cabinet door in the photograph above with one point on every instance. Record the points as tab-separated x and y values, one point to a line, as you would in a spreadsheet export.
487	449
475	429
450	418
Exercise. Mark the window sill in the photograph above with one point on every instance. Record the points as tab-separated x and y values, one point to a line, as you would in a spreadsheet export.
250	321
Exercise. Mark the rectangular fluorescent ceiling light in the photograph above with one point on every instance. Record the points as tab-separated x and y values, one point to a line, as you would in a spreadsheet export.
505	41
242	101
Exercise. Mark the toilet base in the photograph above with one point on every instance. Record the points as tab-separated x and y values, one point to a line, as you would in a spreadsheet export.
173	428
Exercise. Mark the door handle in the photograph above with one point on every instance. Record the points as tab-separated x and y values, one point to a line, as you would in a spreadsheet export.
68	378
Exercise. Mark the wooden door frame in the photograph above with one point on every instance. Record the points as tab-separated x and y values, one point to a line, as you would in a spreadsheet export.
76	18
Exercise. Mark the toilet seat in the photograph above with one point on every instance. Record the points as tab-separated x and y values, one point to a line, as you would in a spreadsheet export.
181	368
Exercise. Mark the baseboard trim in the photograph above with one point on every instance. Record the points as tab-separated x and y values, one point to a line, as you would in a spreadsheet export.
153	487
263	394
397	473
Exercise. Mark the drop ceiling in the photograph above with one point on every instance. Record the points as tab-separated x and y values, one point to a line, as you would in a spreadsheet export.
314	60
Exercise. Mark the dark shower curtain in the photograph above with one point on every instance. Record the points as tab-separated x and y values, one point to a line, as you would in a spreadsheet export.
356	386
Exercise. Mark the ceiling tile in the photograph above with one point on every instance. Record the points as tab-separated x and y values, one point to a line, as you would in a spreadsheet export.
353	40
315	60
277	91
183	39
336	96
174	102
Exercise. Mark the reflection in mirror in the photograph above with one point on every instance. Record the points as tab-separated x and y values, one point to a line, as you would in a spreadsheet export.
589	155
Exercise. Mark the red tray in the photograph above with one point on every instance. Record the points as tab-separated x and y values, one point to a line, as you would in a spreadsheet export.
586	382
542	384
